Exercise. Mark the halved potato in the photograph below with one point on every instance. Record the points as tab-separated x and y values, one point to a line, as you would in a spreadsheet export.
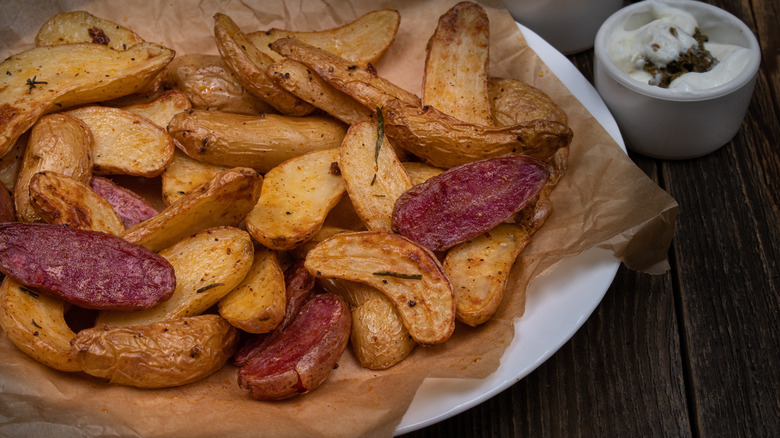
210	85
361	83
261	143
208	265
301	81
158	355
46	79
35	323
83	27
62	200
125	143
478	270
224	200
443	141
162	109
455	80
257	304
296	197
184	175
59	143
379	338
362	41
249	65
372	173
513	101
407	273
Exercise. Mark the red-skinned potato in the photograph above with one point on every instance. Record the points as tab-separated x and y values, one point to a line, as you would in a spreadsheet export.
303	355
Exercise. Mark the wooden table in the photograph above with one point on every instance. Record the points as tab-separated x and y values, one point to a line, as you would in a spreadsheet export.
693	352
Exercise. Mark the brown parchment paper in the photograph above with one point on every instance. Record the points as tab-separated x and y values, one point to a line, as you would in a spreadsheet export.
603	201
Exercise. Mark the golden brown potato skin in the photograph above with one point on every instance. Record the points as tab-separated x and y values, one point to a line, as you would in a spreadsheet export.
57	142
513	102
261	143
158	355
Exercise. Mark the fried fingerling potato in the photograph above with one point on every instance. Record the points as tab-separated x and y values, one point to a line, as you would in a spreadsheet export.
455	80
45	79
257	304
158	355
208	84
223	201
58	143
184	175
443	141
361	83
162	109
249	65
513	102
407	273
379	338
131	208
260	142
7	212
296	197
83	27
362	41
301	81
373	175
11	162
62	200
208	265
478	270
35	323
125	143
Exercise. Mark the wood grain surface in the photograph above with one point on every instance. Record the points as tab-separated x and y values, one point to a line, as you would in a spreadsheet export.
693	352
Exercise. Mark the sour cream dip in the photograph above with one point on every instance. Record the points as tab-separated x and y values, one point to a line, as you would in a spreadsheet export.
660	38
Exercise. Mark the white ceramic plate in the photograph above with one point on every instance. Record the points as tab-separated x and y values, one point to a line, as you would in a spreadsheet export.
558	304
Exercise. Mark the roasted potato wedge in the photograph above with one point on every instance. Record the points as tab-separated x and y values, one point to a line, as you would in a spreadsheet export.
162	109
249	66
223	200
83	27
300	251
379	338
208	265
62	200
158	355
478	270
35	323
373	175
513	102
443	141
261	143
361	83
7	212
362	41
296	197
301	81
45	79
210	85
184	175
455	80
125	143
58	143
421	172
11	162
257	304
407	273
90	269
319	334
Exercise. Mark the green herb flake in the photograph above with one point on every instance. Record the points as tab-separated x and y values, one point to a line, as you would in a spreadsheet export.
32	83
29	292
205	288
399	275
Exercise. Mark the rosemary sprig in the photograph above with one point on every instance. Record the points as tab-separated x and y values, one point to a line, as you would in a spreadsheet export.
399	275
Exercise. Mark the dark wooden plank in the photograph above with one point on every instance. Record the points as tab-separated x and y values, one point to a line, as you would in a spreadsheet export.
726	247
